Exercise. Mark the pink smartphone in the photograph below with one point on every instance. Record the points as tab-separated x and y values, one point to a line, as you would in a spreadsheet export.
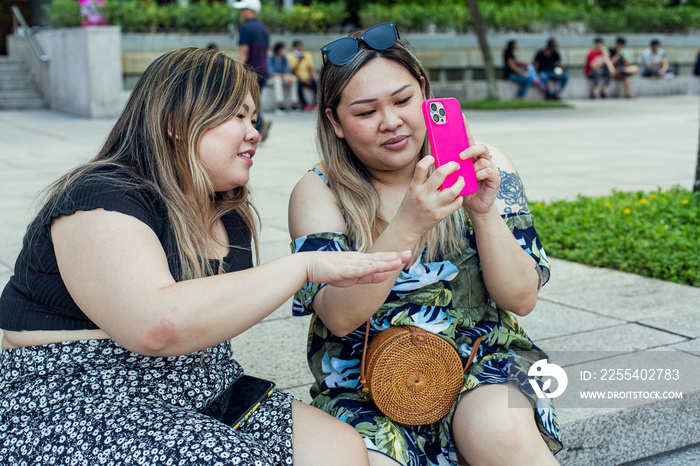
448	137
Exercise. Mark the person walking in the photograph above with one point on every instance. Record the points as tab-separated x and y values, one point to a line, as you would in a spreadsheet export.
253	46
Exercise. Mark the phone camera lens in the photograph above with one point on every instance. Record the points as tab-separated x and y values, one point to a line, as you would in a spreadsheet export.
442	112
433	107
436	118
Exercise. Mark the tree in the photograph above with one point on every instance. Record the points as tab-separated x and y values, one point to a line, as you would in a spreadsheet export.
480	29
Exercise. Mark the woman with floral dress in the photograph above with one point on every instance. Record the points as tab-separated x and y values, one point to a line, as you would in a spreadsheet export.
477	262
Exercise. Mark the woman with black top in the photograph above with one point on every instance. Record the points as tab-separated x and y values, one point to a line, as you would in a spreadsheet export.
136	273
519	72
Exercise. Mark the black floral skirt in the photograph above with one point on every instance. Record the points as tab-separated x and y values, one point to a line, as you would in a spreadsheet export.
93	402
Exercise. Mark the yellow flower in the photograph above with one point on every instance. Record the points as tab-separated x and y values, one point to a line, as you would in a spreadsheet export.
652	196
685	201
627	211
538	204
643	201
608	205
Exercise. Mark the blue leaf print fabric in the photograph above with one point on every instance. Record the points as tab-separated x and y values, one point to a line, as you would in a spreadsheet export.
446	297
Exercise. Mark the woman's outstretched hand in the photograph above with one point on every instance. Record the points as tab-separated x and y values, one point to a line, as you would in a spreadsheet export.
352	268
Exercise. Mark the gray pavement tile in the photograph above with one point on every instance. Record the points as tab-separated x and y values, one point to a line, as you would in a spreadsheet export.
682	323
282	312
628	337
549	320
617	294
5	274
273	250
690	346
619	436
301	392
630	380
682	457
275	350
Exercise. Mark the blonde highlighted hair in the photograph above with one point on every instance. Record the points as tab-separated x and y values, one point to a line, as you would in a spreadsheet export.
349	178
179	97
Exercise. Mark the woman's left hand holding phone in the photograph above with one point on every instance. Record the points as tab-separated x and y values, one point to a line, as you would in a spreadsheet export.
487	175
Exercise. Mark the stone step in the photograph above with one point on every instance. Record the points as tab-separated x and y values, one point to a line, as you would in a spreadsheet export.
13	66
17	88
7	83
22	104
27	93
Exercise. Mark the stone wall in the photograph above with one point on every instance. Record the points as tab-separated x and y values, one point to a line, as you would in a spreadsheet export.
84	74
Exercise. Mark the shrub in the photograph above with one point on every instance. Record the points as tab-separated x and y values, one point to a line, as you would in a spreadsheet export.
205	17
317	17
63	13
645	16
647	233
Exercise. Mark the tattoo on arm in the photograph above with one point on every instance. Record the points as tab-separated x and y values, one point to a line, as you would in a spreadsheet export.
512	192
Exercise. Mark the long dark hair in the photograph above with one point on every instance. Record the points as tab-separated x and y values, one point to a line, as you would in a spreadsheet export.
179	97
347	176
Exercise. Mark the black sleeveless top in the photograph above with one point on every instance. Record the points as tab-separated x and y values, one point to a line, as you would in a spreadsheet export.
36	298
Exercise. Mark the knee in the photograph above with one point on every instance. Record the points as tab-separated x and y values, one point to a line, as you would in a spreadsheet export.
353	445
495	437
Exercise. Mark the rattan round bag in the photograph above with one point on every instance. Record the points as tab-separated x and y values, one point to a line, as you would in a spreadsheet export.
413	376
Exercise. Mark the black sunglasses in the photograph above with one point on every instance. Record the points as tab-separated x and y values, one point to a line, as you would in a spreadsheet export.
379	37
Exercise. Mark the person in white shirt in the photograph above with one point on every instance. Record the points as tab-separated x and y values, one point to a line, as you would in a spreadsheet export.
655	63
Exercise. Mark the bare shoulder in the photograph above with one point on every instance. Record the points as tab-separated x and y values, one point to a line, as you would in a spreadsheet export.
313	208
511	195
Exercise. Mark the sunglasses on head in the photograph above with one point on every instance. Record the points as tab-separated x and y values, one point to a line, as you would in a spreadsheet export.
379	37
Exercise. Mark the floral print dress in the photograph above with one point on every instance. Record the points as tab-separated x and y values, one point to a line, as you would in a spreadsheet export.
446	297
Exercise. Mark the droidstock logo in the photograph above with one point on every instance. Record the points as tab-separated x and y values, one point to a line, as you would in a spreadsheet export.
544	369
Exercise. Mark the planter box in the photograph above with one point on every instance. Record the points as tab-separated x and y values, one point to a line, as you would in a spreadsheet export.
84	73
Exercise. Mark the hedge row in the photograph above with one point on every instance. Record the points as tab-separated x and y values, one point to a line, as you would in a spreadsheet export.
150	16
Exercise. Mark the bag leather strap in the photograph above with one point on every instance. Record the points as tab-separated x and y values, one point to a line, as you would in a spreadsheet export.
416	335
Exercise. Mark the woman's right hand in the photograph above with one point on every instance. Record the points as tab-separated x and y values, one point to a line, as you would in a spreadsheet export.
351	268
425	204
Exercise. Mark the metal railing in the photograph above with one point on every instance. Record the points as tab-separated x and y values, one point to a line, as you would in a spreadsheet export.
20	27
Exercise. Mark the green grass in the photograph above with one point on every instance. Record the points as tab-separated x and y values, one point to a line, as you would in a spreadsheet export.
493	104
654	234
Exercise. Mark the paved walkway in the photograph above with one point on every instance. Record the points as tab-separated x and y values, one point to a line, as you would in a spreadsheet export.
583	311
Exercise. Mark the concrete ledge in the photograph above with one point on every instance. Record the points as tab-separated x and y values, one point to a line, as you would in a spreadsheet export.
83	75
578	88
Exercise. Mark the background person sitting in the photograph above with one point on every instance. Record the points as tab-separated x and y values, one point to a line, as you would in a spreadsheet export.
519	72
598	68
623	70
550	68
655	63
302	65
282	79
